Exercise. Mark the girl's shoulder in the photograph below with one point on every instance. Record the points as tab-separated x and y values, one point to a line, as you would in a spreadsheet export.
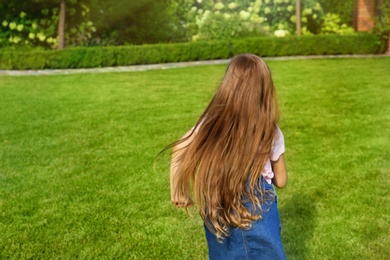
277	148
278	132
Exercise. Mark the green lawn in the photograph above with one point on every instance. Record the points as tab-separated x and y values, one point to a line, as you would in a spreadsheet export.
77	155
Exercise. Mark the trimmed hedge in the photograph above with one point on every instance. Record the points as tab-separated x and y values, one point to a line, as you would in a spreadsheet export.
91	57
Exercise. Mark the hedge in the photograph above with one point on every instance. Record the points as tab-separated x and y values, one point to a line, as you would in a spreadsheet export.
90	57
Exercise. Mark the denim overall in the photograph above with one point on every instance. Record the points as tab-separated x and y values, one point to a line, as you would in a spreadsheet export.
262	241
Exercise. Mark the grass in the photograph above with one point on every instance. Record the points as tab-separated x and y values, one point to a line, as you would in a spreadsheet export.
77	154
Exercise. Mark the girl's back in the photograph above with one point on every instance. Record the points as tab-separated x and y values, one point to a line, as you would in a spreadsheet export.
227	162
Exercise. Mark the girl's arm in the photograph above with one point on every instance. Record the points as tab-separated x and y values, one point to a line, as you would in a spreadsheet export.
177	198
279	169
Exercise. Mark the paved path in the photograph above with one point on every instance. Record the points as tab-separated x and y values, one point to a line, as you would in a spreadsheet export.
167	65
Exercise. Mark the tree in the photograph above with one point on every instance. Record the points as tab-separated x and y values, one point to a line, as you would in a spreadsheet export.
298	16
138	22
61	25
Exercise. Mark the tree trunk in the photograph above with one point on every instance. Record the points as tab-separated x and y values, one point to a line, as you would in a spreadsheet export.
61	25
298	16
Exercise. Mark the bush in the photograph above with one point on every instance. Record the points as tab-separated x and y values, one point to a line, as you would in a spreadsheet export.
333	25
89	57
34	23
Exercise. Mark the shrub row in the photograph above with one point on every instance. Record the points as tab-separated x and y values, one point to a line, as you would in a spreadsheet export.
88	57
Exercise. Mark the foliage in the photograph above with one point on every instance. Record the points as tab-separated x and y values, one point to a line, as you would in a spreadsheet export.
308	45
138	22
179	18
229	19
77	153
224	22
342	8
96	22
35	23
280	15
87	57
123	22
382	23
332	24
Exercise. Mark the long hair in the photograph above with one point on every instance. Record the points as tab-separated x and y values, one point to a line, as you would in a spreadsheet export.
231	143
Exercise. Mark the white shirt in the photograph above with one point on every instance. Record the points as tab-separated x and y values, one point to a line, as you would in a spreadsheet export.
277	150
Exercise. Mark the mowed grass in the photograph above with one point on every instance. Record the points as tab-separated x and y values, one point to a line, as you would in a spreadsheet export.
77	152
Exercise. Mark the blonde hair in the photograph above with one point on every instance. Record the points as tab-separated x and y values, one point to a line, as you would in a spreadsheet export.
223	163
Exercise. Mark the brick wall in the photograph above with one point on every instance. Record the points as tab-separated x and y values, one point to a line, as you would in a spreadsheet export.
364	15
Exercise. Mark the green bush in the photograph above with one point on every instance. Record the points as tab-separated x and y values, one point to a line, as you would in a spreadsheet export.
309	45
90	57
34	23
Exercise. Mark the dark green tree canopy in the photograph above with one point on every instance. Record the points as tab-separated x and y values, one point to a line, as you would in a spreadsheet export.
141	21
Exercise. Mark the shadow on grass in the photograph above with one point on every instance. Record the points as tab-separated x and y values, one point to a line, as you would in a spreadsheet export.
297	217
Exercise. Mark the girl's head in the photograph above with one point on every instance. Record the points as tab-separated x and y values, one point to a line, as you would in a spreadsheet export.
248	79
230	145
247	88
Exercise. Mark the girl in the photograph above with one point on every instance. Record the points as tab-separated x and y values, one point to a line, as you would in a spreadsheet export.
227	163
